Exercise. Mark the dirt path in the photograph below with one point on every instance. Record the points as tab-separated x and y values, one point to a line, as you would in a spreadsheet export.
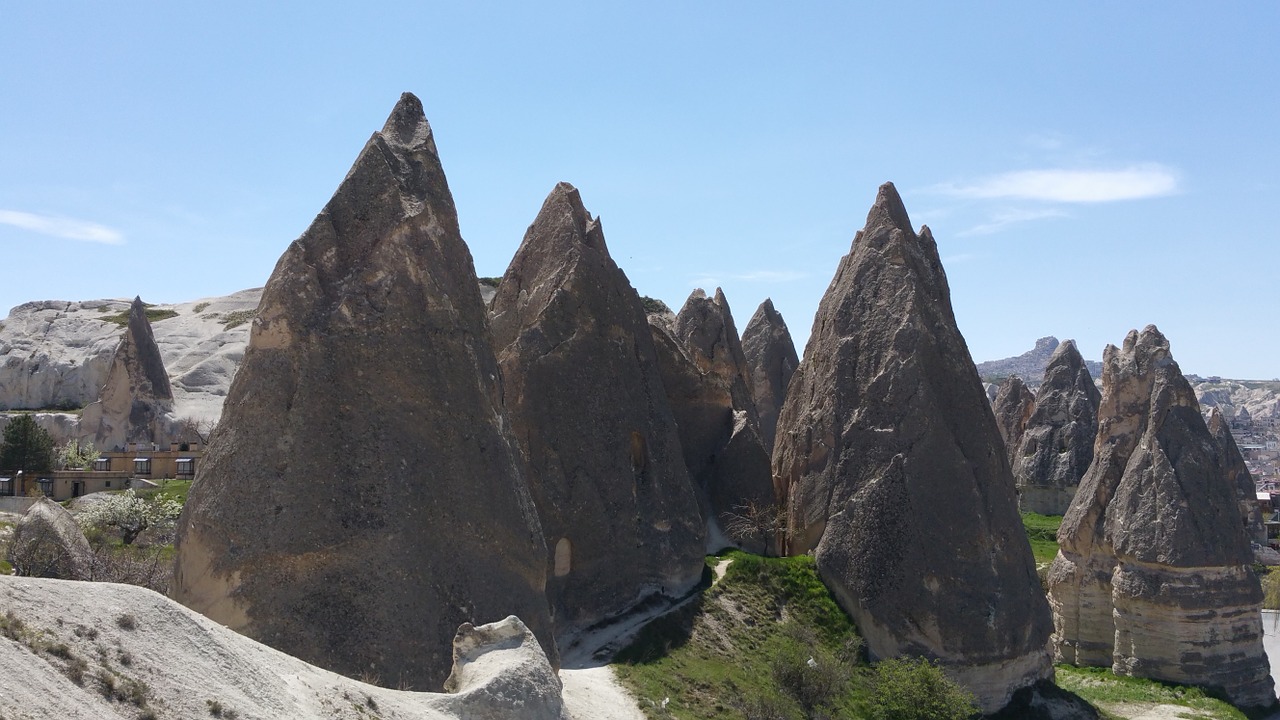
595	694
720	569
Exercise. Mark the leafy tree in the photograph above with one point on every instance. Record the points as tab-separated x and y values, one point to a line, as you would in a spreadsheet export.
26	447
916	689
131	515
72	455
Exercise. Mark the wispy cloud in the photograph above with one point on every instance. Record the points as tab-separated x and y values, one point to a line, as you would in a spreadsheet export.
60	227
1001	220
1071	186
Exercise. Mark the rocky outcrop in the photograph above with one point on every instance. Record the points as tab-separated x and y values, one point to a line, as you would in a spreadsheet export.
48	543
1237	476
1057	444
136	402
771	361
1152	577
363	494
1013	407
705	374
582	386
56	354
1030	364
173	663
886	438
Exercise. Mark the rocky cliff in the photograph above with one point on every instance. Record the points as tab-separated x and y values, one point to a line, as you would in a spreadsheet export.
1237	476
1030	365
1057	444
363	495
1152	577
885	438
582	385
771	360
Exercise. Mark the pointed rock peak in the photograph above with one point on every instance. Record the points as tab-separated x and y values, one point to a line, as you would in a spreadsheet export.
564	217
720	299
767	307
697	294
889	210
1066	354
407	125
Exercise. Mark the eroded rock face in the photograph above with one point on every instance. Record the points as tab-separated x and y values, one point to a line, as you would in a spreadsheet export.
363	494
1057	444
1013	406
705	374
1237	476
582	385
1152	577
136	402
886	438
771	361
48	543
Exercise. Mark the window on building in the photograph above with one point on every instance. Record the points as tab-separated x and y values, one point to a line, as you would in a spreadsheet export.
186	467
6	486
142	466
46	486
102	463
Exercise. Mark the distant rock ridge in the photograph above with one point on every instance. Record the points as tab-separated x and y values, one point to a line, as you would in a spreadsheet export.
584	392
363	495
771	360
886	437
1030	366
707	382
136	402
1056	446
1153	577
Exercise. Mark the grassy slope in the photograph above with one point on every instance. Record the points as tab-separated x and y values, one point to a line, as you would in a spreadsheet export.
1042	531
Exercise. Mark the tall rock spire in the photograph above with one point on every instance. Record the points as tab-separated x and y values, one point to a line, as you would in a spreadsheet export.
363	495
582	385
1237	475
1056	446
771	359
1013	407
886	437
136	402
1153	574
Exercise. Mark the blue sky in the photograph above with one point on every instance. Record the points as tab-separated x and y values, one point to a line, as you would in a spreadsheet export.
1086	168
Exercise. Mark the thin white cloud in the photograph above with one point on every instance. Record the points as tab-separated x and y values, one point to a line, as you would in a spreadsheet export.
1071	186
1001	220
765	276
61	227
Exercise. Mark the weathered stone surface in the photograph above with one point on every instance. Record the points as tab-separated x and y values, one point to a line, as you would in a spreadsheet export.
705	374
1237	476
1030	365
136	402
1057	443
48	543
582	386
1152	577
886	438
1013	406
771	361
363	495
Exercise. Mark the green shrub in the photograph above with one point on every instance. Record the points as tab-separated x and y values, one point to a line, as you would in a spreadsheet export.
916	689
154	316
238	318
200	307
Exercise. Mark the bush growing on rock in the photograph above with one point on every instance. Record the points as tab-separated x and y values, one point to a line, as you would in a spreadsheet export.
916	689
130	515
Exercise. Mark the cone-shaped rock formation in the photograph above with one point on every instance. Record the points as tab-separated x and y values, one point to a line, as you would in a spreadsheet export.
886	438
1152	577
771	360
136	402
1057	443
582	385
704	372
1238	476
1013	407
362	496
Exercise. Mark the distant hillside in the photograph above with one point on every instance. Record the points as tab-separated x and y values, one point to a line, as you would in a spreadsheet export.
1029	365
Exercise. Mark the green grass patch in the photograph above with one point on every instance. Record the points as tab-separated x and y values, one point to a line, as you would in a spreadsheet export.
1100	688
238	318
176	490
200	307
1042	531
153	315
769	641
